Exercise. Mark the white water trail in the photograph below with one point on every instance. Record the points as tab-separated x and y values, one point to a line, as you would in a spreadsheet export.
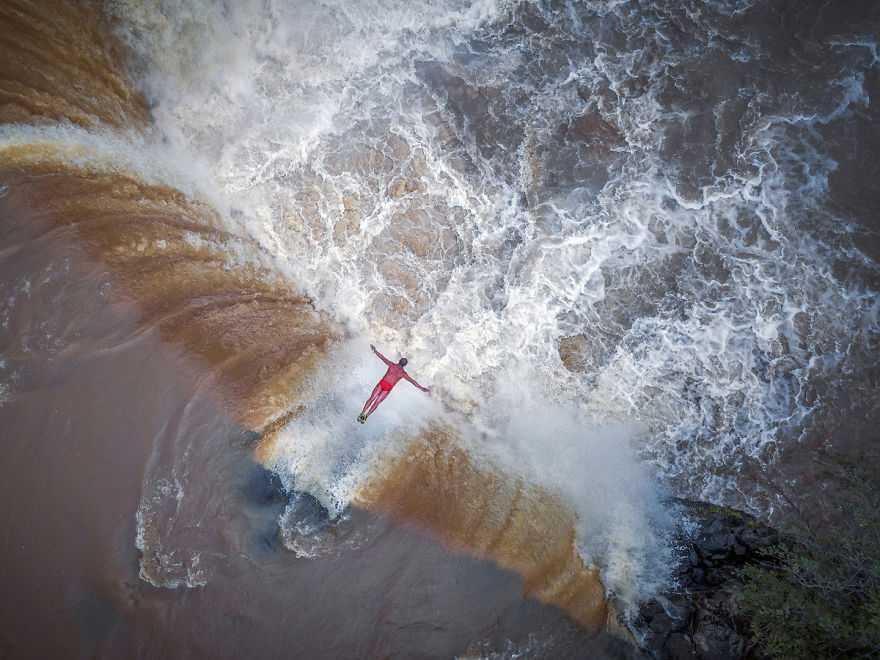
413	168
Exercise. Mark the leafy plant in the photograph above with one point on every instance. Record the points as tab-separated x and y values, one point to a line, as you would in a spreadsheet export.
817	593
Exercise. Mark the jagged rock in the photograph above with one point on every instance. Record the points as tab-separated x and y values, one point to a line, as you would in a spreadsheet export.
573	352
701	619
678	646
400	187
595	131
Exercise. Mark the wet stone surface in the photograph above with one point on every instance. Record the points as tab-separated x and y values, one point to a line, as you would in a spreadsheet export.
700	618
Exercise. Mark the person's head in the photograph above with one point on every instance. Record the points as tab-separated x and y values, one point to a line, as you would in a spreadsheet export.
402	362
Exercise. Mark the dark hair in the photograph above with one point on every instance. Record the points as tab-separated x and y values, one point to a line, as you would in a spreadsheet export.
402	362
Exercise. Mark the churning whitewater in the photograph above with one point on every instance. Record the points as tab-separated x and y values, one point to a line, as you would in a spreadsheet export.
618	271
631	247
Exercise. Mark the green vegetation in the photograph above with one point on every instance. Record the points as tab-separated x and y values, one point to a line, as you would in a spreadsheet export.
747	520
817	594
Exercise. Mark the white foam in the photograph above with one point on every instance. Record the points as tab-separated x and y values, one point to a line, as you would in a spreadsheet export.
623	526
103	151
165	564
707	309
325	451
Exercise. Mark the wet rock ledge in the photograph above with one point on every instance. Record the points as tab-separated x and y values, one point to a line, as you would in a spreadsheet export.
700	617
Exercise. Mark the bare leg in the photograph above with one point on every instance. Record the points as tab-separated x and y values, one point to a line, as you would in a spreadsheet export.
379	400
376	391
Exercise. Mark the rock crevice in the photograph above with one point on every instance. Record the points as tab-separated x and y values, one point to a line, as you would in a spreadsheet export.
700	617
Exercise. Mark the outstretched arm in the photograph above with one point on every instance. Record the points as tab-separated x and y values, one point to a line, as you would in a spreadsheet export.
423	389
381	357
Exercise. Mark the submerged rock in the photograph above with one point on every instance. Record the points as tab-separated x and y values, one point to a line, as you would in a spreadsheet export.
573	352
596	132
700	618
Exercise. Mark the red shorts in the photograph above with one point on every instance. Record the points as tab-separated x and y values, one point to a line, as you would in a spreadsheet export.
385	385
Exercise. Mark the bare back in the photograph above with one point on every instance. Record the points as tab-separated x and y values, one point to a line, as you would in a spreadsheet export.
394	373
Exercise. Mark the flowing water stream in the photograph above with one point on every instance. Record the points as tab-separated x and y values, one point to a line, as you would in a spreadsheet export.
631	247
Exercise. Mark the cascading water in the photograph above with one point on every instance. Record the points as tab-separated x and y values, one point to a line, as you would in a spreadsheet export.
622	242
560	216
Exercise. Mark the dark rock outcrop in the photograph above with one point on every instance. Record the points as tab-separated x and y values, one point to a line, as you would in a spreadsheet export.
700	617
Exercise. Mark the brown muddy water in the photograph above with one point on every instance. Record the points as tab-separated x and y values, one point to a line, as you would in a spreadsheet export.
631	247
130	343
100	402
